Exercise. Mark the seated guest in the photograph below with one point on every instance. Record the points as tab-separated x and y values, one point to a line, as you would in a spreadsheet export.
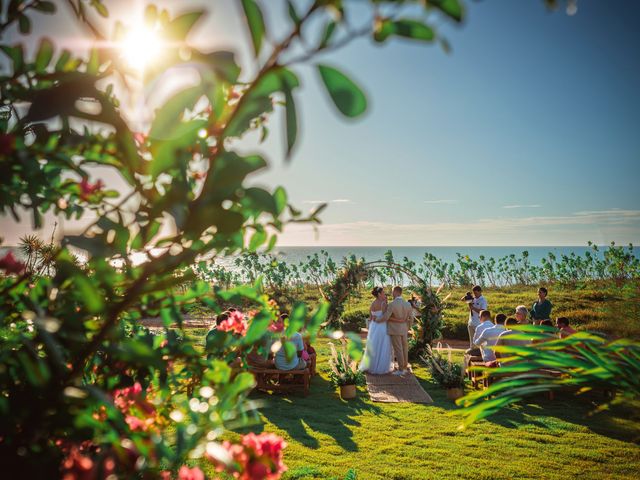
296	362
485	322
541	309
222	317
506	338
309	354
488	337
522	314
564	330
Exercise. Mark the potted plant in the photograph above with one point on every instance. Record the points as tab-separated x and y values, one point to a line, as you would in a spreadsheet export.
344	372
446	372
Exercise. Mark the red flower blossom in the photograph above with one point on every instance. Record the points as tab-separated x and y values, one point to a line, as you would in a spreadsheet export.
235	323
186	473
257	457
87	189
277	326
10	265
77	466
139	413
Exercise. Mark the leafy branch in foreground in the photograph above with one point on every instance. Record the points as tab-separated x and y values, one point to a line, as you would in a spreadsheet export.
580	362
87	392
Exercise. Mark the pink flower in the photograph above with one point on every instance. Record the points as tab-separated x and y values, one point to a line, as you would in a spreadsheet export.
257	457
277	326
87	189
140	138
10	265
235	323
186	473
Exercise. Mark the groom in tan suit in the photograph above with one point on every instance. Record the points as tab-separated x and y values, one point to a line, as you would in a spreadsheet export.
399	317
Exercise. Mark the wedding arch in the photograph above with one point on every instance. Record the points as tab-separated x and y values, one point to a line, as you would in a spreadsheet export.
354	273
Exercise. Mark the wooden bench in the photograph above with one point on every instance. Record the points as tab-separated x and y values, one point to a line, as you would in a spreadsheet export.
274	380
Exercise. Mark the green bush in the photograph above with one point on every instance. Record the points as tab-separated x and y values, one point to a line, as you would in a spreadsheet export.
354	320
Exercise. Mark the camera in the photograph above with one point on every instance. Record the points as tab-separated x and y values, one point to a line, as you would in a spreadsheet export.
468	297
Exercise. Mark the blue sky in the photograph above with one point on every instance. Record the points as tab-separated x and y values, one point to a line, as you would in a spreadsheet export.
526	134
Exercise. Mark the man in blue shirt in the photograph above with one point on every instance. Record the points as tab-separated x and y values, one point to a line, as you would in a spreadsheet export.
295	362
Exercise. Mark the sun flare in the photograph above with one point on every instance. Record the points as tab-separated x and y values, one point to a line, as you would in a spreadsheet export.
141	47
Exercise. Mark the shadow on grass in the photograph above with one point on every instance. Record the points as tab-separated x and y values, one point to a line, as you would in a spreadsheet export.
323	411
620	422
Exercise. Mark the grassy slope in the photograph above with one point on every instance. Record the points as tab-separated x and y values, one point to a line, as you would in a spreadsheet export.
555	440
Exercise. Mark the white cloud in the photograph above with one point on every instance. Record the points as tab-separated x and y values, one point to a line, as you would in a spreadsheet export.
601	227
337	200
437	202
522	206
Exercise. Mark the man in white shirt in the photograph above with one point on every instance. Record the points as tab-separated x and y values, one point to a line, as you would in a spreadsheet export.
487	336
478	304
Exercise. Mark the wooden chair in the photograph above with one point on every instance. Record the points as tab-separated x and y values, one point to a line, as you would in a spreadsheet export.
274	380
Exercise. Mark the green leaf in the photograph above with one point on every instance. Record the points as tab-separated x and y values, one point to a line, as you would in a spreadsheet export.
346	95
45	7
406	28
295	18
179	27
329	29
257	239
255	22
257	328
169	116
24	24
44	55
292	121
452	8
280	198
413	29
100	8
297	319
184	135
354	346
16	54
94	62
63	59
89	294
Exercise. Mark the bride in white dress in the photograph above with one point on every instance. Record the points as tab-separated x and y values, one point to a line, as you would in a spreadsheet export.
378	356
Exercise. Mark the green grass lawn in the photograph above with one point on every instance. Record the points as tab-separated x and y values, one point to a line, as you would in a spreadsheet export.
556	440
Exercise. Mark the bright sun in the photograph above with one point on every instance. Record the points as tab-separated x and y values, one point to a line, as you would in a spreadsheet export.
141	47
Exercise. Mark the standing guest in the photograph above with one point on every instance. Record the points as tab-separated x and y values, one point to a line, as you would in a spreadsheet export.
564	330
522	314
541	309
487	337
477	303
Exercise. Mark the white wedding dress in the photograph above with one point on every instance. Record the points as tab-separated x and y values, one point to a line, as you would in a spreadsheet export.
378	356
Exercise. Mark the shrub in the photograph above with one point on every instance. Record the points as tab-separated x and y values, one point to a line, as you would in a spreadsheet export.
446	372
355	320
344	370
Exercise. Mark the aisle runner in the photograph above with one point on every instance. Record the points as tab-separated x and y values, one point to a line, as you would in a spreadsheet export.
395	389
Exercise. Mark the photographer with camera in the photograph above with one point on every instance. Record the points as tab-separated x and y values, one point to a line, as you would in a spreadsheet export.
477	303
